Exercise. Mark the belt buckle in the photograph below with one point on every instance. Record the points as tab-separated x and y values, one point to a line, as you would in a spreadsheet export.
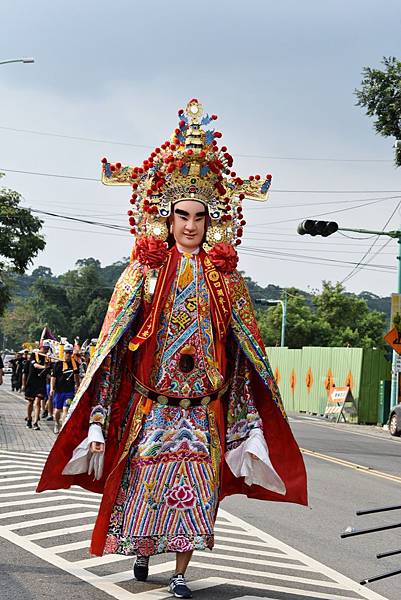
206	400
162	400
185	403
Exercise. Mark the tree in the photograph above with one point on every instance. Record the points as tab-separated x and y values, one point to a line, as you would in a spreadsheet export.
335	319
380	94
20	240
347	318
303	327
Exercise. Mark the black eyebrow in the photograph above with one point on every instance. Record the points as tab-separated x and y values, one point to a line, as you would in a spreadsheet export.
184	213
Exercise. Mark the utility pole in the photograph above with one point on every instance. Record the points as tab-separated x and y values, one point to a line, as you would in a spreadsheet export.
271	301
326	228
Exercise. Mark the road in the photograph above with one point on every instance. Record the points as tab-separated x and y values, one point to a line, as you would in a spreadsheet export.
263	550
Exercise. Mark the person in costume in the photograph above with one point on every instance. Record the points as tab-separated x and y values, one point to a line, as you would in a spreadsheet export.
64	381
178	407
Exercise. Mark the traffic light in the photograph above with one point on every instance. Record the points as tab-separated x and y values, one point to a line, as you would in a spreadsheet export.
323	228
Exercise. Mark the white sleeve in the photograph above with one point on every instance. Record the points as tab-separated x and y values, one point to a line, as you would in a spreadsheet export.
85	461
251	460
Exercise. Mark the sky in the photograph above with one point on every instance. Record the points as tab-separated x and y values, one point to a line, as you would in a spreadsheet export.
108	80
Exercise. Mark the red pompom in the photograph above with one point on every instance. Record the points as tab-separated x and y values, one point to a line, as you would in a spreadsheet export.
217	134
182	123
233	174
224	148
243	222
214	117
241	197
190	152
202	154
172	147
224	257
180	112
118	165
130	213
251	177
237	242
257	177
151	252
133	230
104	160
268	176
193	100
177	131
131	221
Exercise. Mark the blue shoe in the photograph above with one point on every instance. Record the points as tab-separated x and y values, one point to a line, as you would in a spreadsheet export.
178	587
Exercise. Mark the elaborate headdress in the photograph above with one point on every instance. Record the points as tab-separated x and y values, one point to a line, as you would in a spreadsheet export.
190	166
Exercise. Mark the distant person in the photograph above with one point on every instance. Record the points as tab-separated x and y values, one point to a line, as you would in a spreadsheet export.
63	383
1	370
34	383
23	357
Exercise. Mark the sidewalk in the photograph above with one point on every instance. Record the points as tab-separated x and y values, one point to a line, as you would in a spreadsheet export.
13	433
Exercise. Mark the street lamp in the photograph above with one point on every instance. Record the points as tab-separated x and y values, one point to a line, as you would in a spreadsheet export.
17	60
283	312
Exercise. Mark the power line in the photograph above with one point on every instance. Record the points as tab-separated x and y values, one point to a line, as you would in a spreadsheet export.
145	146
355	270
275	191
332	212
262	251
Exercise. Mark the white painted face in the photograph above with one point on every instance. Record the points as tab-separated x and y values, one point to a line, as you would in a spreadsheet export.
188	224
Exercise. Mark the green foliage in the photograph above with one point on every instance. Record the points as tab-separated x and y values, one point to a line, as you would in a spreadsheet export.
71	305
380	94
334	319
20	240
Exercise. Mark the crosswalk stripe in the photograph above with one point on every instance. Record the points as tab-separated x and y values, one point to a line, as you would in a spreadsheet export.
271	566
269	575
17	486
256	561
243	550
287	590
34	511
36	522
19	466
19	478
69	547
42	500
96	561
41	535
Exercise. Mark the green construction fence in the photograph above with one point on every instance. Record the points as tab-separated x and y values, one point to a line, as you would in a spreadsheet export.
305	376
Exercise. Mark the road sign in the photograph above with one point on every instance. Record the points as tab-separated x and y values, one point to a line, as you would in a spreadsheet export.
340	403
393	337
397	364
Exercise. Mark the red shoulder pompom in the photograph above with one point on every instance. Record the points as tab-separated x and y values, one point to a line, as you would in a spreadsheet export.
224	257
151	252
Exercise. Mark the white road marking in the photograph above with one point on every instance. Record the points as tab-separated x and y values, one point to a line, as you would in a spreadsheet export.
269	565
41	535
63	518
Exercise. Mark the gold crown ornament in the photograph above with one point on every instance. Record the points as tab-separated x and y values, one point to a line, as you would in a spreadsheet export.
189	166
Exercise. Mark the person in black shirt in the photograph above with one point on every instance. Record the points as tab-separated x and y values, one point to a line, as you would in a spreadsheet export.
1	370
63	383
36	370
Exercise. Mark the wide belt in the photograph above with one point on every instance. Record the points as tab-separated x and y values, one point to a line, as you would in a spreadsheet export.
182	401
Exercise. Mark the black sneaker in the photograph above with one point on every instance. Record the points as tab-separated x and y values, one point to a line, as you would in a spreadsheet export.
44	414
28	423
49	418
36	427
178	587
141	568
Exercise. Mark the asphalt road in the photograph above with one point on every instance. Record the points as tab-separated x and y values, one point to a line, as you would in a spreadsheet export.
264	550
